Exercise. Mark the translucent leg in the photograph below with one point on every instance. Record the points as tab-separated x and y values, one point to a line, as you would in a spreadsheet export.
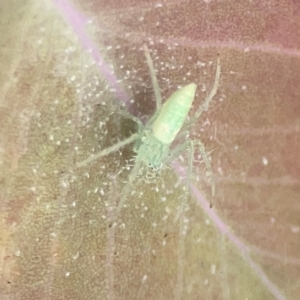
126	189
128	115
191	145
207	164
209	98
156	88
108	150
153	78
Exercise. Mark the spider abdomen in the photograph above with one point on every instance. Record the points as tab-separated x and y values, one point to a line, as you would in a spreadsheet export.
173	114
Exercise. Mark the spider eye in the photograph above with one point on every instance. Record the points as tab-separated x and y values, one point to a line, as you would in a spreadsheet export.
151	166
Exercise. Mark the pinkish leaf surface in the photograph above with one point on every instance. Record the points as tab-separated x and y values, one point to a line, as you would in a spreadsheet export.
66	68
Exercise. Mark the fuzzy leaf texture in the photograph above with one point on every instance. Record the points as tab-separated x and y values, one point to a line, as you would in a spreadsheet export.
67	70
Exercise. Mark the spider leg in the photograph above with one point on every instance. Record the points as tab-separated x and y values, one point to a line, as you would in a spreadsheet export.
208	99
108	150
128	115
126	189
191	145
207	164
156	88
153	78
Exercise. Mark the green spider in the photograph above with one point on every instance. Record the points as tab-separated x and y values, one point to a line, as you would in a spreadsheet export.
153	140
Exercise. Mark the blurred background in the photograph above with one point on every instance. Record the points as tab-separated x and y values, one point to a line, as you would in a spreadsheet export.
66	69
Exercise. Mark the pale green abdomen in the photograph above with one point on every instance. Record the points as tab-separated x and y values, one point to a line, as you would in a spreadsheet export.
173	114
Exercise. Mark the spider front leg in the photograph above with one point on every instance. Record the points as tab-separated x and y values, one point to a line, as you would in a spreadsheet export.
155	85
118	145
153	78
209	98
108	150
128	115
